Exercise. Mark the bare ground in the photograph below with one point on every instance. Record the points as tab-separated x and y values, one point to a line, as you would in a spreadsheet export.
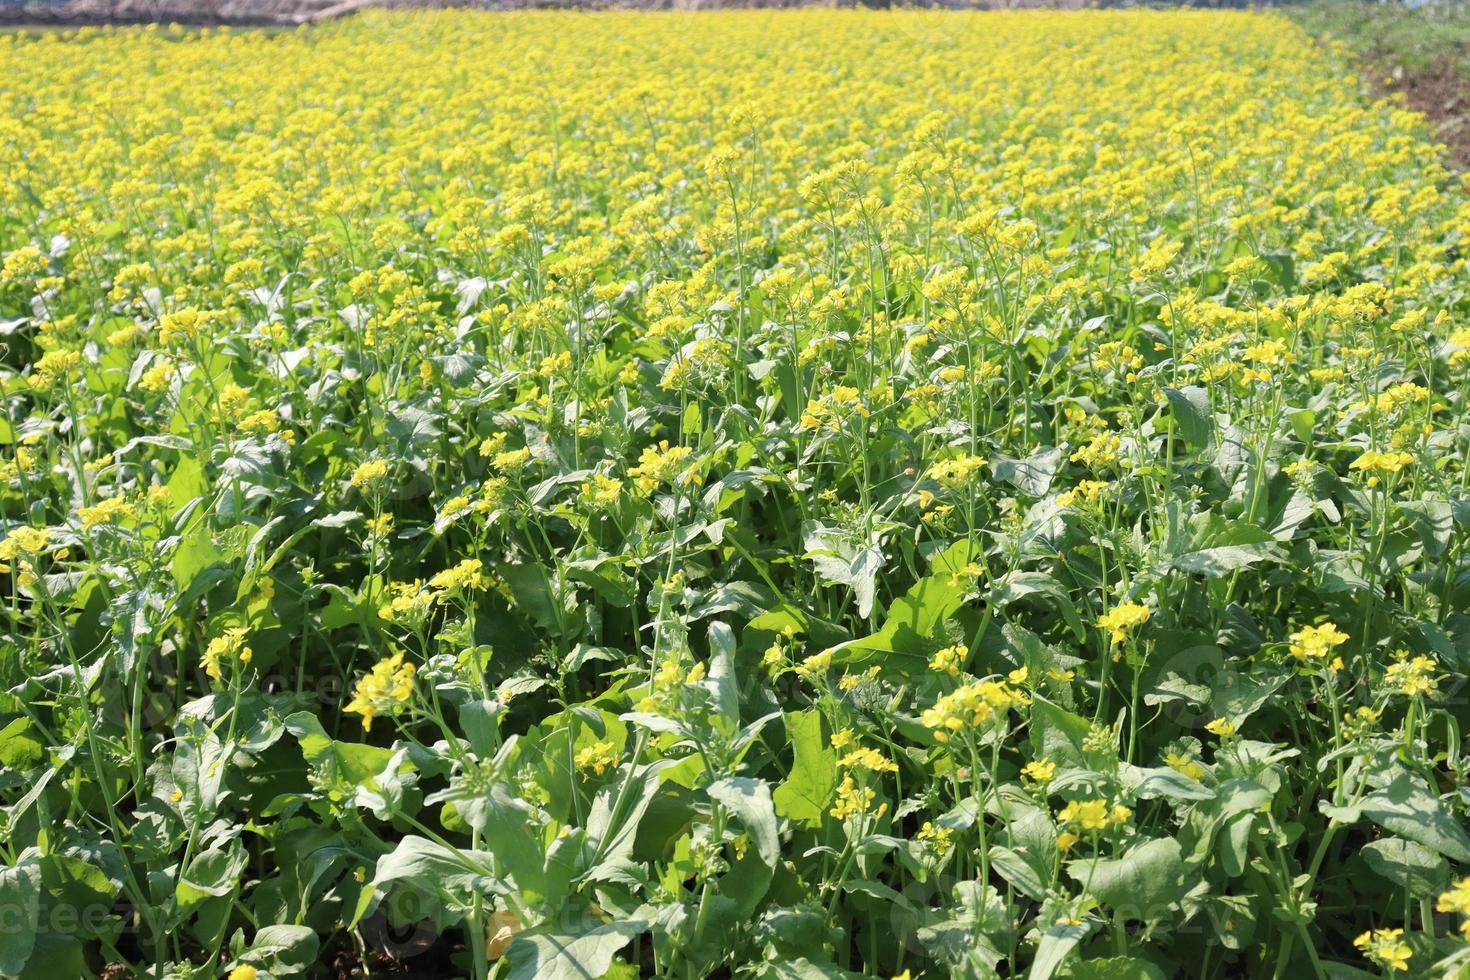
1442	92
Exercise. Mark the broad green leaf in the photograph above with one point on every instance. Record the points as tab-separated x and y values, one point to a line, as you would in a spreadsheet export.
722	681
915	620
1019	871
749	800
1032	475
1148	784
1406	808
435	871
283	950
1433	520
212	874
858	571
1114	968
803	968
1057	734
1216	562
613	820
1018	585
341	767
20	911
1142	884
56	955
195	553
1057	942
509	827
20	749
1191	408
539	954
1411	866
812	782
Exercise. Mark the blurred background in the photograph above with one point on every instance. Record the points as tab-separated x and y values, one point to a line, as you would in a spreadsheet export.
287	12
1414	50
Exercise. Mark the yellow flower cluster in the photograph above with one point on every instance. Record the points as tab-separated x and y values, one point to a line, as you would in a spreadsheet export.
228	645
1039	771
1316	642
957	471
1087	491
1094	814
1376	462
969	707
853	798
369	474
113	510
382	690
949	660
1386	948
1123	620
597	758
24	540
1457	901
1089	816
1411	676
661	464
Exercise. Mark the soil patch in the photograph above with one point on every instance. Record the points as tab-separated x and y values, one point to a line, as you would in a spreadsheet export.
1440	91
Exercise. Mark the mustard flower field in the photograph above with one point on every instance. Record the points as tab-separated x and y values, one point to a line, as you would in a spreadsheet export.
779	495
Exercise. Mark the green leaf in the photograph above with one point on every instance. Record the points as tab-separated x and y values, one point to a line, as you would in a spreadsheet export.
1406	808
187	482
341	767
538	954
478	720
1057	734
1234	846
1142	884
196	552
212	874
1191	408
20	911
858	569
1434	522
1019	871
802	968
915	620
20	749
508	826
1032	475
78	880
1057	943
1029	854
750	801
283	950
1208	544
1413	867
1114	968
533	593
722	682
1217	562
434	870
1171	784
612	823
56	955
808	790
1303	424
1017	585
